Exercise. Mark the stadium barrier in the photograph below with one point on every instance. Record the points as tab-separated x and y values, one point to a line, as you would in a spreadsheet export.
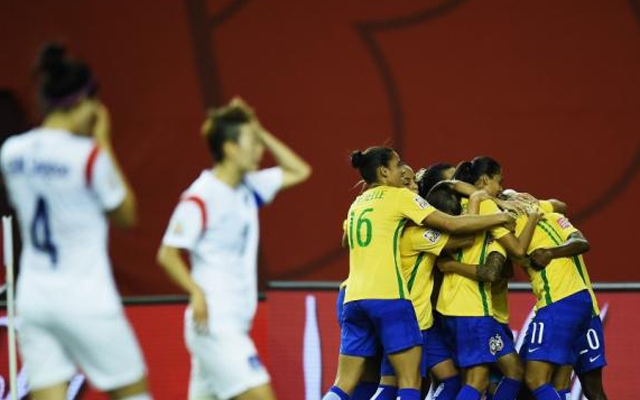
297	335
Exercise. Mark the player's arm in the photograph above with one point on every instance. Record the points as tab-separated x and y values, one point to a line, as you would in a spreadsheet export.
489	271
559	207
459	242
517	245
575	245
124	215
295	169
464	224
171	260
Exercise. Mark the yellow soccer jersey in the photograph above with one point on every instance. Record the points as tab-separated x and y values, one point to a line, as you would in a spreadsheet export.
500	300
563	276
419	248
545	206
376	220
487	207
460	296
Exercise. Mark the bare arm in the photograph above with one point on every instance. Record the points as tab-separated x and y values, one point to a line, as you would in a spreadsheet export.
125	215
170	259
489	271
558	206
575	245
517	245
463	224
459	242
295	169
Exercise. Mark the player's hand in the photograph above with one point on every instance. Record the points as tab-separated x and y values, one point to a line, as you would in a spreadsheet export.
200	313
516	207
479	196
102	126
526	198
443	264
240	103
508	221
540	258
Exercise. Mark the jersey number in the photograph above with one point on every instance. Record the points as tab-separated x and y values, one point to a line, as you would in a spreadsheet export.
592	339
362	223
41	231
538	327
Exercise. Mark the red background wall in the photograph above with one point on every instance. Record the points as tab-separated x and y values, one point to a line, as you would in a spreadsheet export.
549	88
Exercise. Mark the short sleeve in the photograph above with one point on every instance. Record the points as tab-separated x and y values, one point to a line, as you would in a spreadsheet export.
428	240
545	206
565	225
186	224
413	206
494	245
104	180
488	207
265	184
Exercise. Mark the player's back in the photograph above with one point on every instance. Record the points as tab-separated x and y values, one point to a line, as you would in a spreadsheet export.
64	230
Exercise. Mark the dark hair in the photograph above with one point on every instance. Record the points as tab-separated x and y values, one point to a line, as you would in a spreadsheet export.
368	161
443	197
63	81
224	126
471	171
428	177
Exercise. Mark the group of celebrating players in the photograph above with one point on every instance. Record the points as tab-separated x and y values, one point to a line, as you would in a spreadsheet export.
426	297
399	322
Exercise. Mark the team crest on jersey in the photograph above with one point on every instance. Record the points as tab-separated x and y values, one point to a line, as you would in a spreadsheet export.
422	203
495	344
564	223
431	235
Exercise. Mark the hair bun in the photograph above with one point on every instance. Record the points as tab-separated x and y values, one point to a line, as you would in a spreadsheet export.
51	57
356	159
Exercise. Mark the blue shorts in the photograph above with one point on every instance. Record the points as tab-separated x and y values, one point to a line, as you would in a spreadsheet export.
506	336
591	348
474	340
434	351
369	326
340	304
555	332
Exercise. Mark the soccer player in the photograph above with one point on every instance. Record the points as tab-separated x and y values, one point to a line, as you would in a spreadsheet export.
216	222
591	351
564	305
65	185
419	248
376	304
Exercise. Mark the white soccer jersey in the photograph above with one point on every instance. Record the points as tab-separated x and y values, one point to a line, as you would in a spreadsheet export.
60	185
218	225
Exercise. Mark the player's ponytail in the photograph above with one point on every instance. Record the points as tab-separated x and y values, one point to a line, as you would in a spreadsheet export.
63	81
464	172
471	171
368	162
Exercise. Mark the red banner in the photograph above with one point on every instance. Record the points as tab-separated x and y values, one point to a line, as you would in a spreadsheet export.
304	341
297	336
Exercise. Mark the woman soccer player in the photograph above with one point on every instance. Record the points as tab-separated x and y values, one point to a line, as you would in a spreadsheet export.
376	306
216	222
65	185
466	304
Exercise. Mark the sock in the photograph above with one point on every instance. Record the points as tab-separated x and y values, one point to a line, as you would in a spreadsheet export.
364	391
139	396
546	392
335	393
468	393
565	394
448	389
408	394
384	392
507	389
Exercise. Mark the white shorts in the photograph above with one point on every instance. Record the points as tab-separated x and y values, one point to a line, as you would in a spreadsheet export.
104	348
224	363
